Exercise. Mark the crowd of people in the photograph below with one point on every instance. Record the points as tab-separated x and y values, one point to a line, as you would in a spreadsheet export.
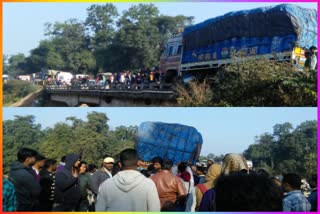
127	78
123	80
36	183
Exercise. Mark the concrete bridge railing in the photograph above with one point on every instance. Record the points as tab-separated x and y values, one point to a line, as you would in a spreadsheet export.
152	94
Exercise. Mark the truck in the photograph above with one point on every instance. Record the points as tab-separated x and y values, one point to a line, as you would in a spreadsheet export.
177	142
286	31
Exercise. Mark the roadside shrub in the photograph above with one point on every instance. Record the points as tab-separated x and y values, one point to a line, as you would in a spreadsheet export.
259	82
14	90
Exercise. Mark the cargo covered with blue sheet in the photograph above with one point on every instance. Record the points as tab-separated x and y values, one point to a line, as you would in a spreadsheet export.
265	30
169	141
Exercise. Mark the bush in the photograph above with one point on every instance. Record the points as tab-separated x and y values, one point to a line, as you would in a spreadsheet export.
14	90
259	82
194	94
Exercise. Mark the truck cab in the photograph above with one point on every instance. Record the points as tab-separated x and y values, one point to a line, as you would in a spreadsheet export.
171	58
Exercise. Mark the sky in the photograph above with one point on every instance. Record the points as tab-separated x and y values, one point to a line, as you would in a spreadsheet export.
224	130
23	23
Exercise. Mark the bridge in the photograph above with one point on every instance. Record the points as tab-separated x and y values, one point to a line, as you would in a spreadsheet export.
120	95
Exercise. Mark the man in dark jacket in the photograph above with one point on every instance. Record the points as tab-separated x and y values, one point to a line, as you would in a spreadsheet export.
21	175
101	175
47	183
67	194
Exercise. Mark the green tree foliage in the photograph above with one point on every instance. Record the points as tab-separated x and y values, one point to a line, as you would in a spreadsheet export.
106	41
19	132
263	82
169	26
16	65
14	90
138	36
5	64
71	42
44	57
97	122
287	149
92	138
101	22
58	141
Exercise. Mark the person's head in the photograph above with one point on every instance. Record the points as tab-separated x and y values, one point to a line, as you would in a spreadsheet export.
233	163
167	165
72	161
245	192
82	167
291	181
27	156
50	165
209	162
92	168
194	169
263	172
108	163
40	161
151	169
157	163
313	181
200	170
129	159
277	180
313	50
182	167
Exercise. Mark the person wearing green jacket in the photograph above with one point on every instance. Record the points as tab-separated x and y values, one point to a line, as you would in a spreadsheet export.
84	180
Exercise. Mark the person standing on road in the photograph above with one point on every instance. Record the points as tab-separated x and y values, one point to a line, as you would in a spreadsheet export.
101	175
47	183
67	192
294	199
22	177
128	190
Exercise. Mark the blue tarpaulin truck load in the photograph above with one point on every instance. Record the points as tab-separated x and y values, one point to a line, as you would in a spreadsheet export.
286	31
261	31
169	141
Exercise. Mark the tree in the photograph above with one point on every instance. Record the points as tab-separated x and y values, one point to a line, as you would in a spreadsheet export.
138	37
210	156
101	21
97	122
5	63
44	57
75	122
72	44
282	130
16	65
287	149
169	26
58	141
17	133
90	144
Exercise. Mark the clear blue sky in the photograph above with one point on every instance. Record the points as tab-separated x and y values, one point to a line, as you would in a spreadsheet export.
224	130
23	23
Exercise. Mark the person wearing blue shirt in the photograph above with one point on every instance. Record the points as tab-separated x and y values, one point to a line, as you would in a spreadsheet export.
294	200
